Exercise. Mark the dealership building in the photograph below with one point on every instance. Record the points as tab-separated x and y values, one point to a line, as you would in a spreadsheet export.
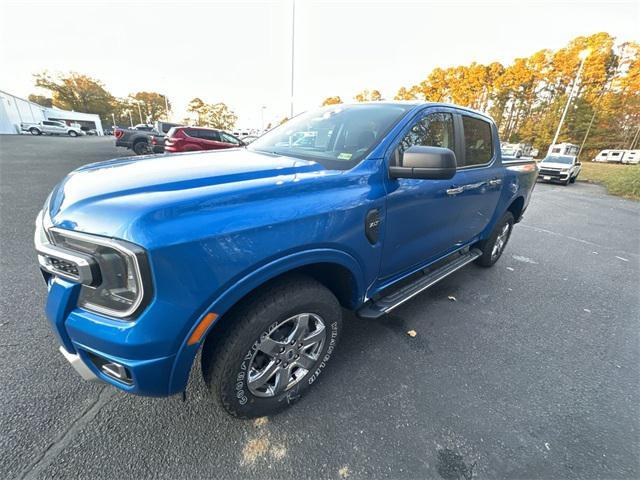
15	110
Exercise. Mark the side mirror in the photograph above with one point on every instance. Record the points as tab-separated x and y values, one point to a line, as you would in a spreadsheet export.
578	163
429	163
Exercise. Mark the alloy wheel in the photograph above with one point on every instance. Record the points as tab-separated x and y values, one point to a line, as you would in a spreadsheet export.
285	354
501	241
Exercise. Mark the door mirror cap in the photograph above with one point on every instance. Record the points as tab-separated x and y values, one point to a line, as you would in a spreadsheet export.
428	163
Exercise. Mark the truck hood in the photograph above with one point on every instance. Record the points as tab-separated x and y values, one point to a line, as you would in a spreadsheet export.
106	198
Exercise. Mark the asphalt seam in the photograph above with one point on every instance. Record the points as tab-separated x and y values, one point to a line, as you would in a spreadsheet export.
65	438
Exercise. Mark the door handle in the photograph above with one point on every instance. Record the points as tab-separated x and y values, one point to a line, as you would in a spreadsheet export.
495	181
455	190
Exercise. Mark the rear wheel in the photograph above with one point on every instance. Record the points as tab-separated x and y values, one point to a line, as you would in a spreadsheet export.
276	347
493	246
140	148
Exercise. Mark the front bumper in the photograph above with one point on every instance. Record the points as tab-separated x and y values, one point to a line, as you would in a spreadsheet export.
553	177
146	348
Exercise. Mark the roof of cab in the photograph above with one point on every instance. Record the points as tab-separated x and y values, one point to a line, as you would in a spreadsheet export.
416	104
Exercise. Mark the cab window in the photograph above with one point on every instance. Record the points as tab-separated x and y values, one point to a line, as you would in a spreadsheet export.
433	130
478	146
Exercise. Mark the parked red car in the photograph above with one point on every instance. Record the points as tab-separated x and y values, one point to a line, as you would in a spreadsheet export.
191	139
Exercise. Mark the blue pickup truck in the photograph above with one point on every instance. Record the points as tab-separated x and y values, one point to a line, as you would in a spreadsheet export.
251	254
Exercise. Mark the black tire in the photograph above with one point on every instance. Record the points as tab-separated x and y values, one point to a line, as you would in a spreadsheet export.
228	359
73	133
35	131
140	148
489	257
573	179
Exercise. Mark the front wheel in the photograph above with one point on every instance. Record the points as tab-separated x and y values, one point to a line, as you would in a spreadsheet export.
493	246
34	131
72	133
274	348
573	179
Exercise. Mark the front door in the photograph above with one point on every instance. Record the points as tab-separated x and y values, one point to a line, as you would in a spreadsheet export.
421	220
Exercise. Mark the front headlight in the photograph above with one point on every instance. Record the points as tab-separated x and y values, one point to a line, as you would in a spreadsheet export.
40	237
565	170
122	269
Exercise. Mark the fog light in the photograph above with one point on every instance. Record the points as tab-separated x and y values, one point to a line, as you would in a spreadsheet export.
117	371
111	369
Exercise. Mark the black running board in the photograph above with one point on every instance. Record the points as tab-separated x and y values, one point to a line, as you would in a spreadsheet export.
377	308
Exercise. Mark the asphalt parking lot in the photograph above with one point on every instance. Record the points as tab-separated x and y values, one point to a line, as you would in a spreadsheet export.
532	372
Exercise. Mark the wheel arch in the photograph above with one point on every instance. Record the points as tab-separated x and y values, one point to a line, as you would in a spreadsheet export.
336	270
516	207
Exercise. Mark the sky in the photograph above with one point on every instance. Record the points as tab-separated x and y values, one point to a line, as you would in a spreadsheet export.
239	52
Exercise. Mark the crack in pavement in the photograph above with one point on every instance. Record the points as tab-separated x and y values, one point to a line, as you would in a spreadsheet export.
63	440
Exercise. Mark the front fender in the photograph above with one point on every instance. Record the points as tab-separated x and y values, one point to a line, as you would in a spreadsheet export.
223	303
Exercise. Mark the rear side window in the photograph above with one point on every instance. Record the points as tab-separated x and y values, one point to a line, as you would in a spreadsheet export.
191	132
203	134
209	135
478	146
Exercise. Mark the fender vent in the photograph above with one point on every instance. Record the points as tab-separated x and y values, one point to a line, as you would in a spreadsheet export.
372	225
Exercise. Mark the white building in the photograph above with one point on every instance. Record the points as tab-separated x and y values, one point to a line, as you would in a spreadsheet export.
15	110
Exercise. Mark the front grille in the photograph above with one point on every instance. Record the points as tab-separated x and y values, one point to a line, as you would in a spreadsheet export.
546	171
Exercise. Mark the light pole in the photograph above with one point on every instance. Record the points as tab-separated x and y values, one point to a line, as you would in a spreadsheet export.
582	56
635	139
113	118
293	44
166	107
139	111
262	109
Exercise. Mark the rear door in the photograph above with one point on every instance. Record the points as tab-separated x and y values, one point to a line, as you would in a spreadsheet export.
477	184
210	139
51	127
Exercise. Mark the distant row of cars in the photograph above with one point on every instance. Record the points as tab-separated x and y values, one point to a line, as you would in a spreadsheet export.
170	137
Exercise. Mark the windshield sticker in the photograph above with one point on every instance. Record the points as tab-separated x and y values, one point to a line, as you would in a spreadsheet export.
344	156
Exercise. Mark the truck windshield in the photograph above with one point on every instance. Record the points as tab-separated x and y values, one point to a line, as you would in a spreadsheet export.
558	159
337	137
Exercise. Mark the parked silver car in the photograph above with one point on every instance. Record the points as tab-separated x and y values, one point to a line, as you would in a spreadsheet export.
51	127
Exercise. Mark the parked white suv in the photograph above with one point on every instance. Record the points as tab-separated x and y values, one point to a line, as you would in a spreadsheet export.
51	127
560	168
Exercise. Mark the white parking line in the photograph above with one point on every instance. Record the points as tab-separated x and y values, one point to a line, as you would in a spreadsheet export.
569	237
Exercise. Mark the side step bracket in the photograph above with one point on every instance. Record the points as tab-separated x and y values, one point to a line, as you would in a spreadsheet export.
377	308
